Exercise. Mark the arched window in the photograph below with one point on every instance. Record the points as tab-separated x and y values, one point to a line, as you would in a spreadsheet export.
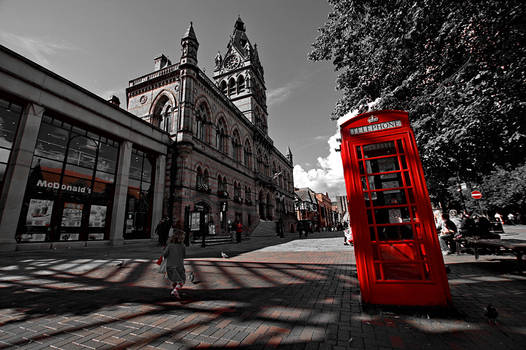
199	179
206	181
247	155
221	136
267	166
237	192
248	195
274	173
164	115
231	86
236	146
240	84
202	118
223	87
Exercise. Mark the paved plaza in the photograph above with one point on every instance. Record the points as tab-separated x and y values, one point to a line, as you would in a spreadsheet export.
270	292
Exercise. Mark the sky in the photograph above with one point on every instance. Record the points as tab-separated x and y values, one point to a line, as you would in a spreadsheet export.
102	44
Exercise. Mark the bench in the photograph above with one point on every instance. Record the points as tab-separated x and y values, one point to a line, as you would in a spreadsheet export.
514	246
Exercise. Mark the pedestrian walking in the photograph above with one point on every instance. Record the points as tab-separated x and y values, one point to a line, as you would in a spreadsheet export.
174	253
239	231
158	230
164	231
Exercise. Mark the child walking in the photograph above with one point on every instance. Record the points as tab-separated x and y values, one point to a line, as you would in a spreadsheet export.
174	253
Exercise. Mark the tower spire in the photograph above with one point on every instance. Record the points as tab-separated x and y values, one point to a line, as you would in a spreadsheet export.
189	46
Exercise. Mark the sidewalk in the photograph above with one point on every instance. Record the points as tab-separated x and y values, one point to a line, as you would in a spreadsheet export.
271	292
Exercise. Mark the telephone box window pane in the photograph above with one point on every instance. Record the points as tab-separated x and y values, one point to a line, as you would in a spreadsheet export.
400	146
404	162
369	217
391	197
397	253
359	152
360	165
391	215
379	149
382	165
402	272
395	232
393	180
407	178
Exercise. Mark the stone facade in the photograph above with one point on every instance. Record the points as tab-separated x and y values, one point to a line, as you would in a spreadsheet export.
222	165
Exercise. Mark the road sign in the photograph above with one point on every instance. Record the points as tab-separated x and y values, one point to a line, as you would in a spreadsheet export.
476	195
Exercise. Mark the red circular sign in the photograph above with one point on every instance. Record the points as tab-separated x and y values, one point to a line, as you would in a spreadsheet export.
476	195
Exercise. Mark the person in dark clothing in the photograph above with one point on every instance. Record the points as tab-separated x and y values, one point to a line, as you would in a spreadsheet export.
468	226
162	230
158	230
239	231
483	228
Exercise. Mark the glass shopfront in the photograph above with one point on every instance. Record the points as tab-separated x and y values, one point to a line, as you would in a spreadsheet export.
140	196
70	189
10	113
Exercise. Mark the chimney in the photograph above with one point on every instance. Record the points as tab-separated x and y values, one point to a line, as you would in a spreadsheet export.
114	100
161	62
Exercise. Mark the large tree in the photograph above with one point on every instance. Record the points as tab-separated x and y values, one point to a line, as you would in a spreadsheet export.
457	67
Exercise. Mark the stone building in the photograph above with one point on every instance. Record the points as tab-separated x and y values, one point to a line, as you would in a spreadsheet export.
222	165
78	170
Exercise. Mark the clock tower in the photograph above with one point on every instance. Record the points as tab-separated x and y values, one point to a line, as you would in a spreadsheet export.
239	75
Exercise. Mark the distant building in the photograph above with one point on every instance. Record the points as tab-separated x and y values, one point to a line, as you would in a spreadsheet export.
324	211
306	205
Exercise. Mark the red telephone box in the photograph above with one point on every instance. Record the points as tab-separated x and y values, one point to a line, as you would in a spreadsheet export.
397	251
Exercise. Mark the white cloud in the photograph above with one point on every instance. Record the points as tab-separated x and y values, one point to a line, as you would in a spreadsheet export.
280	94
328	176
38	50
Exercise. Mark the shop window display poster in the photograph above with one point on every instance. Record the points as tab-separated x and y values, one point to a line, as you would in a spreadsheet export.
39	212
72	214
97	216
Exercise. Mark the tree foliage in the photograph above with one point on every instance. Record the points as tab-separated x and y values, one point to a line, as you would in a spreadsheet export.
457	67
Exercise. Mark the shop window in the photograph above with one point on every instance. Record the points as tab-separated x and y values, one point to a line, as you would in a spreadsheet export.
70	187
10	113
140	196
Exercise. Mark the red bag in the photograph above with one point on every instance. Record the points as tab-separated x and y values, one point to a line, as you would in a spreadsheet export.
160	260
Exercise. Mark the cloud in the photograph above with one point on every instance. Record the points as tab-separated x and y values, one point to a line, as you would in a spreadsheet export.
38	50
280	94
327	176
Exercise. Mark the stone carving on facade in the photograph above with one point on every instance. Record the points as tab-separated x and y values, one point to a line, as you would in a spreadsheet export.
218	60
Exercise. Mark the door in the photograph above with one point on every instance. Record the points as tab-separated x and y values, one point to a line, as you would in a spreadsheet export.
394	229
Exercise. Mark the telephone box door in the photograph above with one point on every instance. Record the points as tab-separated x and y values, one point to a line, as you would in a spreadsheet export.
397	252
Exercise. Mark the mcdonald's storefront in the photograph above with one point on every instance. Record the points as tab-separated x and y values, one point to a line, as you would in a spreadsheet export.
74	169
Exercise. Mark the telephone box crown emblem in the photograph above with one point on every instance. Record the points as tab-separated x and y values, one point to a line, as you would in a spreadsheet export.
372	119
